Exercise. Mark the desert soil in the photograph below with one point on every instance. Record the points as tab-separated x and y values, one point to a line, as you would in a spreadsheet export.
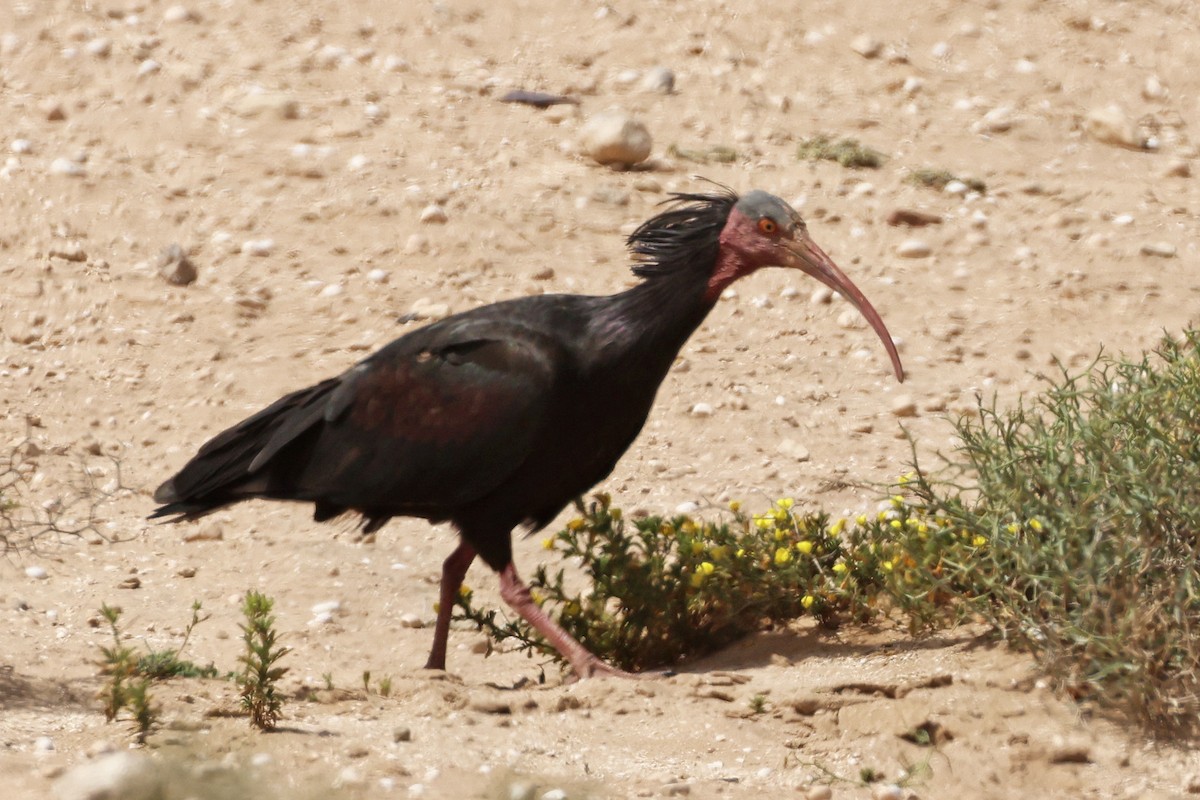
291	150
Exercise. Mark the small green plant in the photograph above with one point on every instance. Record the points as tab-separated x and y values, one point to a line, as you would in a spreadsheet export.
385	686
758	704
126	689
366	679
327	677
847	152
939	178
260	675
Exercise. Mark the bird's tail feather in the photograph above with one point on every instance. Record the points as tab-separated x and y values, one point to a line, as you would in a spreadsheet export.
228	468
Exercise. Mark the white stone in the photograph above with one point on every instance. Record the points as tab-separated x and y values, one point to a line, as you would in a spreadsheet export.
886	791
21	146
554	794
258	247
1111	125
1159	249
43	744
914	248
792	449
658	80
177	13
411	620
615	138
36	572
124	775
433	215
702	410
686	507
866	46
148	67
100	47
903	405
327	607
65	166
378	276
357	162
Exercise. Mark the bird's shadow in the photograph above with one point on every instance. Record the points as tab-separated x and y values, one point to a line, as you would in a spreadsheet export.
814	643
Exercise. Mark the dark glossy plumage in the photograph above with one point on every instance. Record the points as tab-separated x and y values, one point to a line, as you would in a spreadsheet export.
498	416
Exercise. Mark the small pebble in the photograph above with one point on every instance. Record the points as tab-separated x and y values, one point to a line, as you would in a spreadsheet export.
36	573
378	276
819	793
260	759
792	449
175	267
23	146
821	295
65	166
522	790
1159	249
1179	168
100	47
886	791
903	405
177	13
686	507
1111	125
702	410
402	734
258	247
433	215
866	46
677	789
43	744
411	620
554	794
659	80
913	248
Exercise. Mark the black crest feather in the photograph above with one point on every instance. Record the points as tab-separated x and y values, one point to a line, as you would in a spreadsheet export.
682	237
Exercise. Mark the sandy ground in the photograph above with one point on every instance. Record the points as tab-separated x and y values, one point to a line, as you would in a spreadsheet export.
327	128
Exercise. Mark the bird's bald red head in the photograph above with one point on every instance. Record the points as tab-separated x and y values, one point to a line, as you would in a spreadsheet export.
764	231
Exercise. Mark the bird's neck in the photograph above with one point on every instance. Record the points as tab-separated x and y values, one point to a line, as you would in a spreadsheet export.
651	321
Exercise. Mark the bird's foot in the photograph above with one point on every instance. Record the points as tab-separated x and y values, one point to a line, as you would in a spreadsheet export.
592	667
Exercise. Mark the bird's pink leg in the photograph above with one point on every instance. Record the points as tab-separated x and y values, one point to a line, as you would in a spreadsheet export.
516	594
454	569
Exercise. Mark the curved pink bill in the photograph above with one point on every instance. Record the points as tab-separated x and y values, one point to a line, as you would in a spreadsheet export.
810	258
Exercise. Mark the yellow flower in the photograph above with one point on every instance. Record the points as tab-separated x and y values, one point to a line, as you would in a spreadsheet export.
548	543
1036	524
779	534
807	601
785	502
922	529
906	477
805	547
464	592
887	566
706	568
719	553
1012	527
897	501
979	541
741	552
840	568
896	524
576	523
537	596
697	548
861	519
762	521
615	514
572	609
735	506
782	556
836	528
697	580
687	526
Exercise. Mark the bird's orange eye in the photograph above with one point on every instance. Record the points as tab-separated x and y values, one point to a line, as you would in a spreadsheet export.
767	225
